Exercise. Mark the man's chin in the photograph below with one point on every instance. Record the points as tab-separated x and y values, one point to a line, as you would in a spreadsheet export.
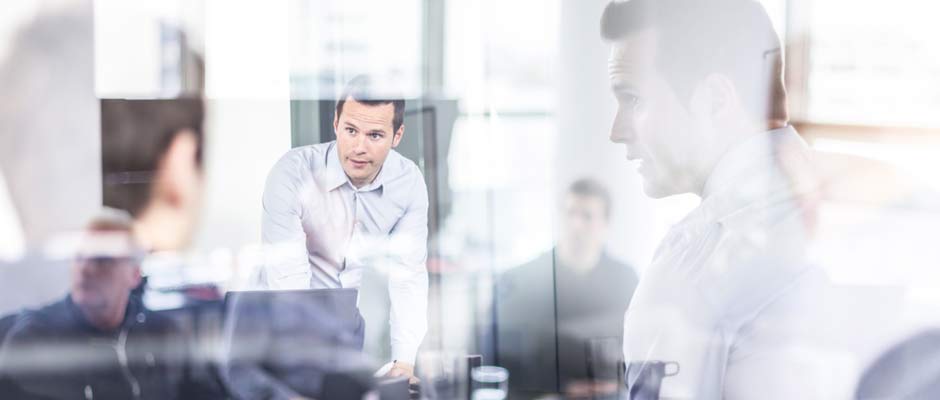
88	298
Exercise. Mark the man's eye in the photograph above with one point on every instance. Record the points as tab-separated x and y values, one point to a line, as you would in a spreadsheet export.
350	131
375	136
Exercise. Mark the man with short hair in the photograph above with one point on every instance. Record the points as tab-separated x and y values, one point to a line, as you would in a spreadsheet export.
723	311
100	342
332	209
152	164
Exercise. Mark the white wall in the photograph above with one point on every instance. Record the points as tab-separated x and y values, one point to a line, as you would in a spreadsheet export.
248	121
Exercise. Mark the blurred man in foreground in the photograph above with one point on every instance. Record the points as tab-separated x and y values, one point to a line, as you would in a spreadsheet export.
100	342
725	310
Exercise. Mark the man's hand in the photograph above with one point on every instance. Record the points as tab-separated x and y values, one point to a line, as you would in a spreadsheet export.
403	369
586	389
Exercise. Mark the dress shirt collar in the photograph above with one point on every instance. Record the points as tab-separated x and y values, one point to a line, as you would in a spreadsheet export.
336	177
752	173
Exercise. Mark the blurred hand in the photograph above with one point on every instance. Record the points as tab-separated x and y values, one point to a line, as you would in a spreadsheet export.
587	389
403	369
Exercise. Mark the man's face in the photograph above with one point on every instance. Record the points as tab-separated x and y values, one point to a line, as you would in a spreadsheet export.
658	130
585	223
364	136
105	270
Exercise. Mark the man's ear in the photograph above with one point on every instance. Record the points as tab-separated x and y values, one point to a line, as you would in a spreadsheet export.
177	168
398	134
715	96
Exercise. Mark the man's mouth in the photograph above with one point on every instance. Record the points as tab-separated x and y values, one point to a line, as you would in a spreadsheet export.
358	163
639	162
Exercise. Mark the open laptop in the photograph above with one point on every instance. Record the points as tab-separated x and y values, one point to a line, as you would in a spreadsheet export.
293	337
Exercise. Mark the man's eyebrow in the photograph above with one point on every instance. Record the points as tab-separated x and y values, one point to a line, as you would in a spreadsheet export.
378	130
351	124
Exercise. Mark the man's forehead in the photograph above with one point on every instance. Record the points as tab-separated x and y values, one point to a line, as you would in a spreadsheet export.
107	244
633	53
374	114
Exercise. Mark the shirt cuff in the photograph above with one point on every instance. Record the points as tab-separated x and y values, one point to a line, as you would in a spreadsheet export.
404	353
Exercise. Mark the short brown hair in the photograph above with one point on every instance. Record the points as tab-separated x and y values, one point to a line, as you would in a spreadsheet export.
135	135
361	89
697	38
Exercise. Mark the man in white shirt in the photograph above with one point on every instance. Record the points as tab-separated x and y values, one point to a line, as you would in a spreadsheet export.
332	209
725	308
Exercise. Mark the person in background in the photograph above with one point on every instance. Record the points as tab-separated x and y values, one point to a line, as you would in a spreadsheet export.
575	295
332	209
100	342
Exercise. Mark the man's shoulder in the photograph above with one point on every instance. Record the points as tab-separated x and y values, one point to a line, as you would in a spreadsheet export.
53	317
298	166
313	155
619	268
402	167
538	267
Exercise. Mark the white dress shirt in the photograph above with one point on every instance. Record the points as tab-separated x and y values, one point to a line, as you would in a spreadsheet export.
730	293
320	231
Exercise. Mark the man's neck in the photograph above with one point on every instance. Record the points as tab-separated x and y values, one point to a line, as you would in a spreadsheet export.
361	183
581	261
106	318
729	136
158	229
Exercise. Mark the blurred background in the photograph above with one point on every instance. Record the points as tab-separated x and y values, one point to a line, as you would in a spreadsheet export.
508	104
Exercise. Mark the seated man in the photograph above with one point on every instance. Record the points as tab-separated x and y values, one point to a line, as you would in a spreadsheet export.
99	341
570	299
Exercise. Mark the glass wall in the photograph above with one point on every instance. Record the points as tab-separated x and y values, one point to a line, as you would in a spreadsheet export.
675	198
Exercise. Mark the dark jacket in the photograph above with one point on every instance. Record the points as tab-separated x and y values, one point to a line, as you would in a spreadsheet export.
548	315
55	353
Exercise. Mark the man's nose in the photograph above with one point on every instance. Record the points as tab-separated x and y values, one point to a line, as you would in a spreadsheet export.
359	146
87	269
622	129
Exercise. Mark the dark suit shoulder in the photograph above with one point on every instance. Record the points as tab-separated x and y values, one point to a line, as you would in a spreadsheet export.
619	269
529	274
51	317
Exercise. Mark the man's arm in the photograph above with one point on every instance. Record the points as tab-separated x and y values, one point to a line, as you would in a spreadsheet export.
282	235
408	279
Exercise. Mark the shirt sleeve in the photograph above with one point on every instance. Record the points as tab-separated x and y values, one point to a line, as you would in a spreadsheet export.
408	276
282	235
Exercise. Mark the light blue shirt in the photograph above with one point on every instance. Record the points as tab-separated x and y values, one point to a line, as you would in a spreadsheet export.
320	231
